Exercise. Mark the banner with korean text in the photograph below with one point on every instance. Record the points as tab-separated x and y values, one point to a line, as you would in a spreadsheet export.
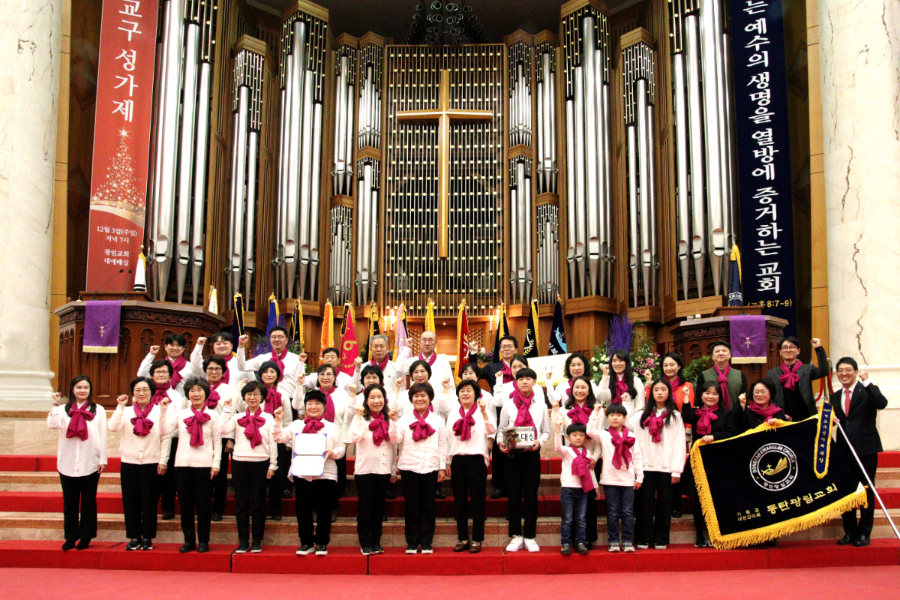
122	128
764	157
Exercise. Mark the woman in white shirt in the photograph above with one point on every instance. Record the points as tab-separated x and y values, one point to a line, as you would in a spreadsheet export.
624	387
468	430
502	391
422	464
161	372
215	368
419	372
372	375
80	458
254	462
196	461
577	365
141	449
374	468
270	375
660	434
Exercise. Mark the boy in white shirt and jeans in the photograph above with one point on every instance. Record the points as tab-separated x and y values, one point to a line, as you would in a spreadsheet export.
577	480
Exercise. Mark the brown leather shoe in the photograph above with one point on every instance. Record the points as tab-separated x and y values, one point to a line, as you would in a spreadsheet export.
461	546
476	548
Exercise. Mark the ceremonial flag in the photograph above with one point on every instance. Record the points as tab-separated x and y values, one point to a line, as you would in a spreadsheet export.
502	330
140	273
349	347
237	320
825	423
429	317
748	339
274	317
735	296
374	328
213	301
296	330
401	338
462	340
531	332
763	484
101	326
557	332
327	339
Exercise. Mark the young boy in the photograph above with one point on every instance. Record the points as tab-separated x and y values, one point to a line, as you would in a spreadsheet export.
621	475
577	480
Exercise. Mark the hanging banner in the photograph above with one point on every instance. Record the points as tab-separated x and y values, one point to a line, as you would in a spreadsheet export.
122	127
764	157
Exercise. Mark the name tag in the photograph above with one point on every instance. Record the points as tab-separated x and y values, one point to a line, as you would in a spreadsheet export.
525	437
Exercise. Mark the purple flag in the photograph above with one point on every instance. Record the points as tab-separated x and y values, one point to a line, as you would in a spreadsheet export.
748	339
101	326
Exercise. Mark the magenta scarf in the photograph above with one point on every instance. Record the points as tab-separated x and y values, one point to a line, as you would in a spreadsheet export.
379	427
311	425
789	377
569	389
177	365
767	412
251	425
623	443
463	428
421	429
430	361
621	389
278	359
214	397
272	401
160	392
329	404
195	426
523	416
226	376
78	418
581	467
705	417
382	365
655	423
579	414
140	423
507	372
722	380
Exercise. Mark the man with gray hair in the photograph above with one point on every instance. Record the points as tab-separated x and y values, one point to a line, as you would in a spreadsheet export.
440	366
392	371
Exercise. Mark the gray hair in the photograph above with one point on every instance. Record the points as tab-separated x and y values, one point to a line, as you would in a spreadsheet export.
380	336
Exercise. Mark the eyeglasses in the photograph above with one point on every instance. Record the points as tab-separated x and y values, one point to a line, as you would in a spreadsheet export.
213	369
847	371
253	395
789	347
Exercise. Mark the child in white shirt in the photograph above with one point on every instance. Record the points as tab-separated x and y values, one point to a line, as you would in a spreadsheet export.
578	481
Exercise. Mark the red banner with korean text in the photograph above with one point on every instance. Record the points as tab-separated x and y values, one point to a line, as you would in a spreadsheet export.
121	142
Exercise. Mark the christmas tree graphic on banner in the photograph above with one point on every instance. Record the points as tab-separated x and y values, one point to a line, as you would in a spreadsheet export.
119	190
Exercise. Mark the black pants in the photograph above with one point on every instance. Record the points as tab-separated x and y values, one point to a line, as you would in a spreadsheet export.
523	481
220	482
195	494
249	480
167	484
690	489
79	495
420	509
341	464
279	480
140	495
866	515
469	480
653	509
316	495
499	465
370	489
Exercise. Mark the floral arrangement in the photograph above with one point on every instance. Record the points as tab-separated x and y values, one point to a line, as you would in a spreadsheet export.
622	336
485	357
695	367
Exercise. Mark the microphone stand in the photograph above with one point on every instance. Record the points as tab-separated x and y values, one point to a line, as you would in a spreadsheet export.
105	283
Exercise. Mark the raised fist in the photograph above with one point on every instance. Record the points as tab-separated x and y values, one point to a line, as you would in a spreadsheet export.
201	341
358	362
606	370
499	376
352	389
598	408
359	410
164	403
743	399
279	412
300	379
393	414
482	404
816	343
448	381
863	375
242	341
56	398
154	349
399	384
122	400
227	403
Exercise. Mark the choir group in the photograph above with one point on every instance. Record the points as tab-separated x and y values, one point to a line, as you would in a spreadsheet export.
630	434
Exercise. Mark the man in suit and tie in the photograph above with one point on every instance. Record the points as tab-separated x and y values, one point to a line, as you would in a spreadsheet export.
793	379
856	407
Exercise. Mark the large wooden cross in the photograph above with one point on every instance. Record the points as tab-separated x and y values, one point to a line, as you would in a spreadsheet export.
444	116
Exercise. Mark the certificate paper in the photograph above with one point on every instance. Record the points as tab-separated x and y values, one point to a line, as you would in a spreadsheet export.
308	458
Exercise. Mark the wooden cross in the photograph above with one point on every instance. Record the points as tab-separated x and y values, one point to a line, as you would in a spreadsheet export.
444	116
101	330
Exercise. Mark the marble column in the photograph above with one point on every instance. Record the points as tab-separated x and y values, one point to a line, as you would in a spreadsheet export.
860	59
30	32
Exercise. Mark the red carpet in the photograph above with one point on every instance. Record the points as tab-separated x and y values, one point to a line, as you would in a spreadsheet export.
114	557
284	559
444	561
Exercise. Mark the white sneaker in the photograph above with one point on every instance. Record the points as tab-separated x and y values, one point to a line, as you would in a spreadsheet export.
531	545
516	544
643	546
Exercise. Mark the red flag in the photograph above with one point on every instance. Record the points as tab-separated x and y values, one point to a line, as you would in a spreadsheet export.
462	340
349	347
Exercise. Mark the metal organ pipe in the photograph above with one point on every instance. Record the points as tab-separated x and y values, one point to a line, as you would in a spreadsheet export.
200	156
633	207
570	194
297	80
314	196
602	159
305	180
681	166
249	261
580	196
696	143
590	116
185	155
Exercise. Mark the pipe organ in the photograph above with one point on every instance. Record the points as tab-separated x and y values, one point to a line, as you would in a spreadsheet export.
704	142
547	201
545	78
588	191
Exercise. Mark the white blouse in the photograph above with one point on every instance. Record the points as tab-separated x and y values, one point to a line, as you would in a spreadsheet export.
292	369
371	459
206	456
267	449
341	401
634	405
332	443
481	432
424	456
136	449
74	457
666	456
144	371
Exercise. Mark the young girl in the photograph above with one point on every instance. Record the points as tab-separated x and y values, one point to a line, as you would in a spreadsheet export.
374	468
710	421
660	434
141	451
762	408
624	387
254	463
196	461
270	374
682	393
468	429
422	464
80	458
522	408
161	373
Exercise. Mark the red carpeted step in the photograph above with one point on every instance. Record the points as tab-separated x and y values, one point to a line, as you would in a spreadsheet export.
284	560
113	556
444	561
889	460
815	554
30	554
18	462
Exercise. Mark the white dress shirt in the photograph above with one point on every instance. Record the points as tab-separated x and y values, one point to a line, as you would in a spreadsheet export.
424	456
440	370
293	367
371	459
481	432
392	372
136	449
206	456
609	475
267	449
633	406
666	456
539	415
74	457
332	443
236	377
144	371
176	402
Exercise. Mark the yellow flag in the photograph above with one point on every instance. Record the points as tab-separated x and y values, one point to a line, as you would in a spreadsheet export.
327	340
429	317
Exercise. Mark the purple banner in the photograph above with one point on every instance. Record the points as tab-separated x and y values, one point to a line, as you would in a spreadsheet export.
748	339
101	326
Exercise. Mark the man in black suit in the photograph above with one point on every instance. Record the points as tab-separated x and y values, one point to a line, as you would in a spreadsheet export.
793	379
856	407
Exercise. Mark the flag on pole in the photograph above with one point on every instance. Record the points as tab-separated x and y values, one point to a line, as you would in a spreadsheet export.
296	331
237	320
402	336
735	296
429	316
274	315
531	332
462	340
557	332
213	300
374	328
140	273
327	340
349	347
502	330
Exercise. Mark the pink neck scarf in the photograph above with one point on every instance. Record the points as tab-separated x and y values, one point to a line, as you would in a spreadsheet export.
78	418
765	412
581	467
705	417
579	414
278	359
623	443
251	425
420	427
523	416
722	380
463	428
311	425
140	423
272	401
379	427
177	365
621	390
160	392
789	377
655	424
381	365
431	360
194	425
507	372
329	404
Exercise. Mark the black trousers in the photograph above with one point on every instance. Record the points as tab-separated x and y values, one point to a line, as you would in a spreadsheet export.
220	482
195	494
523	481
279	480
370	489
499	465
653	509
866	515
690	490
167	486
469	481
140	495
249	481
420	508
314	496
79	496
341	464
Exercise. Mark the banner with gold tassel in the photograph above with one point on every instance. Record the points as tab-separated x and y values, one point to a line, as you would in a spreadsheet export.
429	316
327	340
462	340
349	345
374	328
297	326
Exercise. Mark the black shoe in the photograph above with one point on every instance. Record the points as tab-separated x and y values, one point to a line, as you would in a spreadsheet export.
83	544
439	495
203	547
427	549
168	515
497	494
390	495
321	550
581	549
384	519
256	548
187	548
305	549
589	545
700	544
288	493
412	548
862	540
378	549
367	550
134	544
216	517
243	547
676	514
68	545
846	540
565	550
147	544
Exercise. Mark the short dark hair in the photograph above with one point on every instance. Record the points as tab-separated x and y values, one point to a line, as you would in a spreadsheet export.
788	338
469	367
576	428
420	363
212	358
616	409
847	360
326	367
510	338
176	338
254	385
712	345
471	384
199	382
315	396
330	350
278	328
766	384
156	364
418	388
371	369
710	384
146	380
269	364
526	372
225	336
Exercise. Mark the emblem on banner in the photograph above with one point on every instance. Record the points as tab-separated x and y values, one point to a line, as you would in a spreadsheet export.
774	467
